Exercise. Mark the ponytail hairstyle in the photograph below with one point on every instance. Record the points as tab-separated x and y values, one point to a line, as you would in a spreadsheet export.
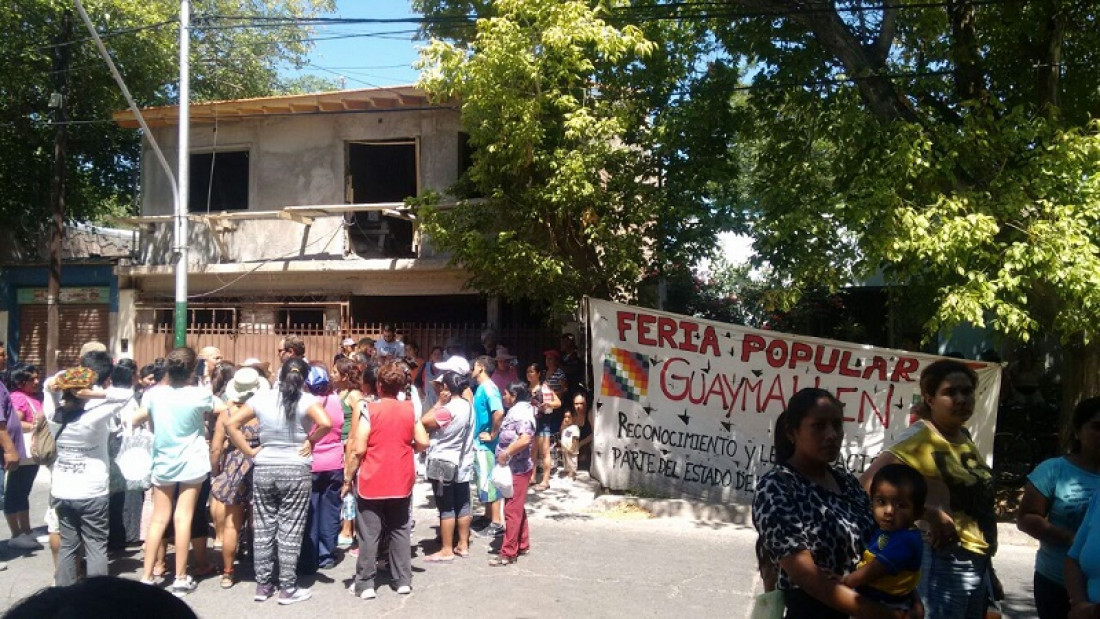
292	378
369	384
351	373
789	420
180	365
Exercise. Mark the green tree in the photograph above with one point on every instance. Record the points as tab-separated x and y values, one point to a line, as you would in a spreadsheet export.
563	207
584	163
950	147
232	57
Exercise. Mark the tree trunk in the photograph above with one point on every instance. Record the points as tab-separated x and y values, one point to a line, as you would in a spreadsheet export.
1081	376
1050	64
62	57
861	62
969	83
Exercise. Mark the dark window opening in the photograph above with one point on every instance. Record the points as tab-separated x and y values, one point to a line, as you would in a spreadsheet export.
294	319
462	308
218	182
381	172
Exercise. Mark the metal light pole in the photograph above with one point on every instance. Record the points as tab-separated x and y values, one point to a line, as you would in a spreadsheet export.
183	175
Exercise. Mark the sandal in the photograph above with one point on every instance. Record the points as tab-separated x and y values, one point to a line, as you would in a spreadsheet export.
159	571
465	554
228	580
542	486
501	561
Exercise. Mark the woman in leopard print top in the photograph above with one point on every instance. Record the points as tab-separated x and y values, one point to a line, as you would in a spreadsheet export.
811	516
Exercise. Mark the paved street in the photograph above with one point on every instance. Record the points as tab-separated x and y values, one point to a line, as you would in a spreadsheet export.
602	565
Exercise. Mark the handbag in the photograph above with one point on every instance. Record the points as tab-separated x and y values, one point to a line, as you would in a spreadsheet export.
502	479
768	605
135	456
438	469
43	441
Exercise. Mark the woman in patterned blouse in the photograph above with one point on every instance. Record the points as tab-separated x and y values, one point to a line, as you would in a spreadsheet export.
812	517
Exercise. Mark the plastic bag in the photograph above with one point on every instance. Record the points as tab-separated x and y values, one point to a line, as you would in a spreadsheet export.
135	456
502	479
768	606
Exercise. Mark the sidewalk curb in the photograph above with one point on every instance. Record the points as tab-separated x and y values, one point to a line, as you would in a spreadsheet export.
741	515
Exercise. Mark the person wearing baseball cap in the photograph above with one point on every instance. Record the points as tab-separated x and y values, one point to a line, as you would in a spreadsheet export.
347	349
455	363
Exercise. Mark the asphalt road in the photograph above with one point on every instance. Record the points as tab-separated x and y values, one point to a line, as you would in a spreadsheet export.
597	564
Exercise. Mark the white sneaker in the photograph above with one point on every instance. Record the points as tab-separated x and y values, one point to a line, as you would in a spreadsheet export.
43	539
368	594
3	565
292	597
183	586
404	589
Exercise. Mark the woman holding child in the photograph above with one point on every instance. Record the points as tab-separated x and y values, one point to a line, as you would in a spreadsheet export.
813	517
955	570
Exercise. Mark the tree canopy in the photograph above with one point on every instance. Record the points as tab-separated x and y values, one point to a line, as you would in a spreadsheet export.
233	55
949	147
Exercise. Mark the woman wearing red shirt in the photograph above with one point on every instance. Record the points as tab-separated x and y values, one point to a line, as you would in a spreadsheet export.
381	470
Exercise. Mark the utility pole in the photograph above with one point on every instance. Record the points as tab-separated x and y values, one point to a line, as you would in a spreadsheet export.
62	56
183	174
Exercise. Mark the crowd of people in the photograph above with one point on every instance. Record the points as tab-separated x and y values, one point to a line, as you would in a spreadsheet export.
292	469
288	468
915	535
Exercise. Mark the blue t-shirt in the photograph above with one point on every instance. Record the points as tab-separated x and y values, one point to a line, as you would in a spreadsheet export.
180	450
1068	488
900	552
486	400
1086	548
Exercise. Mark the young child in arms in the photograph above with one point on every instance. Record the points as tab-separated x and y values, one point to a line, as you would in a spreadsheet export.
890	568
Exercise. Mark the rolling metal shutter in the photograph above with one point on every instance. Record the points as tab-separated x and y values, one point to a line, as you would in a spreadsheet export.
79	324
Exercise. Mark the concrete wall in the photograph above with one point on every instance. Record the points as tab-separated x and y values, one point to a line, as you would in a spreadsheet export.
297	160
293	160
248	240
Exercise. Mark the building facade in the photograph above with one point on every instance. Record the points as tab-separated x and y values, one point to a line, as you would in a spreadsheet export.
298	225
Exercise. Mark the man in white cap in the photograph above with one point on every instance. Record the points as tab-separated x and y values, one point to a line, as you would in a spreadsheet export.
347	348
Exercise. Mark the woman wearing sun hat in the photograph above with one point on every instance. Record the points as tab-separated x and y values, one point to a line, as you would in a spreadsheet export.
232	484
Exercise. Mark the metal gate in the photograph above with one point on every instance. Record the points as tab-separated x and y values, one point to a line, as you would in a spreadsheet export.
262	341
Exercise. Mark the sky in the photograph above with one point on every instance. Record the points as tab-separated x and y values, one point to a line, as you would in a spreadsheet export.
366	55
384	55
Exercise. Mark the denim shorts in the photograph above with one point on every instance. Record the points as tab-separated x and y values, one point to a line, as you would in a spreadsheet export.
548	425
954	583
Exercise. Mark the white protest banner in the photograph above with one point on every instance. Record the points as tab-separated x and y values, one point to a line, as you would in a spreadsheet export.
685	407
